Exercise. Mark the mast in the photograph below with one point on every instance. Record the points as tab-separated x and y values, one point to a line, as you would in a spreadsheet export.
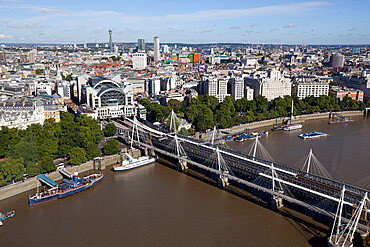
291	113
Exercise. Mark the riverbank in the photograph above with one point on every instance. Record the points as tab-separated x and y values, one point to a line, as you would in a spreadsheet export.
296	119
29	184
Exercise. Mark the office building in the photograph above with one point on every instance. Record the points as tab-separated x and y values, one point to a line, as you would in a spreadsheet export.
214	86
271	84
156	49
165	49
2	56
236	87
340	93
141	44
306	87
139	61
109	99
336	60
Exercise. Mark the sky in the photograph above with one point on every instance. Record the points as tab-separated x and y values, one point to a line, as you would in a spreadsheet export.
190	21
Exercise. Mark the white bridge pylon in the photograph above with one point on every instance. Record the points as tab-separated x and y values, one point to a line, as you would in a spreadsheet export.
257	150
135	125
342	234
312	165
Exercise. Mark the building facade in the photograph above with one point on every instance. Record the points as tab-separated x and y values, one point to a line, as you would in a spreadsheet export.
340	93
271	84
311	87
214	86
139	61
109	98
157	55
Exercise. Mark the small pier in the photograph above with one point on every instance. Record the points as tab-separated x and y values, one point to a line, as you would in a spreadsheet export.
335	117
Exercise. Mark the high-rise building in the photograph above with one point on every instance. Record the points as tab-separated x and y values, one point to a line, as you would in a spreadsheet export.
236	87
156	49
214	86
110	42
337	60
271	84
139	61
165	49
141	44
23	58
306	87
2	56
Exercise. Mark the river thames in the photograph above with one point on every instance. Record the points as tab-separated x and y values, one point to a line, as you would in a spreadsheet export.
156	205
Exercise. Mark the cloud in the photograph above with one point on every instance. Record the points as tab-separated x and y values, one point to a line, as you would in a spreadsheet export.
12	1
98	30
290	25
208	30
248	31
352	29
234	27
255	24
223	14
174	30
273	29
4	36
314	29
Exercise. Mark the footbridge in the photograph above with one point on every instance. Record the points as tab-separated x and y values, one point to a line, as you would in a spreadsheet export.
283	183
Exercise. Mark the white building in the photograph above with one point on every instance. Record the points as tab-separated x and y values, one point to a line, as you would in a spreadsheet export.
306	87
248	93
214	86
271	84
153	86
236	87
19	114
156	49
109	98
139	61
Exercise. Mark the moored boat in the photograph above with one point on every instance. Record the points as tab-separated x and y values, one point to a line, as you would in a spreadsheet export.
67	188
130	163
250	136
311	135
292	127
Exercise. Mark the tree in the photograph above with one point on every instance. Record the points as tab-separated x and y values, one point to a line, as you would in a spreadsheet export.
39	71
77	156
110	130
33	169
174	105
92	151
47	164
25	150
111	147
13	169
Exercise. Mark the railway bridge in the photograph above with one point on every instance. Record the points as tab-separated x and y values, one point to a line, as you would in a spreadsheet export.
280	182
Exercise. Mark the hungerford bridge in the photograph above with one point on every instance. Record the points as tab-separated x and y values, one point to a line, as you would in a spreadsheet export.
282	183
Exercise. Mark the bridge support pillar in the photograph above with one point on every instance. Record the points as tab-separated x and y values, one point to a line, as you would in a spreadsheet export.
146	153
182	165
222	181
276	202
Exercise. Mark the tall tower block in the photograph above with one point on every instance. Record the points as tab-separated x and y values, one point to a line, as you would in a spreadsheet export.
110	42
156	49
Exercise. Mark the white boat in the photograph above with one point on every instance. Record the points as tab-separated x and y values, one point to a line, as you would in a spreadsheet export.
130	163
292	127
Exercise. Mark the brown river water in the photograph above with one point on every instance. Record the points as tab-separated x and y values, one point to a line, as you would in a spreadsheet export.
156	205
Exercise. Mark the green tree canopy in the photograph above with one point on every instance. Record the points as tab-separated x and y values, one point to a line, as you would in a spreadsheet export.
110	130
92	151
111	147
77	156
47	164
